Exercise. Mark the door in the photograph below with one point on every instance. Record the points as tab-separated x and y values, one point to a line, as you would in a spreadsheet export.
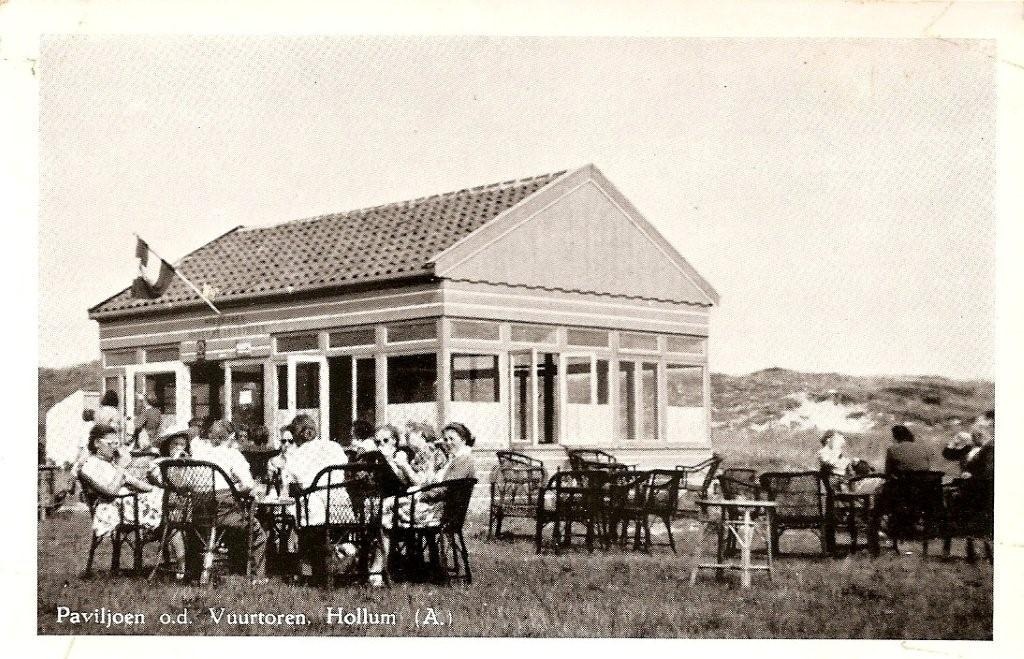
302	388
243	387
535	397
364	390
170	385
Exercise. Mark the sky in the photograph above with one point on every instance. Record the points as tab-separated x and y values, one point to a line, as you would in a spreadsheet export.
837	193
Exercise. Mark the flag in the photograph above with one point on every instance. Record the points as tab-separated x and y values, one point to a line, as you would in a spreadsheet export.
155	274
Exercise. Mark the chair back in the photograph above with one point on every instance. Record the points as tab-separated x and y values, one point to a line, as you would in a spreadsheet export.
799	496
576	490
698	477
455	502
341	493
519	477
739	483
915	490
578	457
662	490
190	492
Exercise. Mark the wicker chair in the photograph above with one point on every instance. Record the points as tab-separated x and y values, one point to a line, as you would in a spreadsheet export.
342	505
694	483
661	500
580	457
803	501
191	508
914	503
433	531
571	497
128	531
969	505
515	485
856	514
620	501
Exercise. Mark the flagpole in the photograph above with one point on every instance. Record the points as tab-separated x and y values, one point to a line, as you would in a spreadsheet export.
191	285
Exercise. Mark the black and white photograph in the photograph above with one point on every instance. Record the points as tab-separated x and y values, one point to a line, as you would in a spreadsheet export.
469	335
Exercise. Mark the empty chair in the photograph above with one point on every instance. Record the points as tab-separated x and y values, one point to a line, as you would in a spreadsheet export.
579	456
694	483
802	502
515	486
568	499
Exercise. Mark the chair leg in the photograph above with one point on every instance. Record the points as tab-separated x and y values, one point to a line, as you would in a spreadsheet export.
668	529
93	544
497	522
161	552
465	557
211	547
137	557
537	538
115	554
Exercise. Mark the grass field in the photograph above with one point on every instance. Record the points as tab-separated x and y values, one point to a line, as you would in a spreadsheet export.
518	593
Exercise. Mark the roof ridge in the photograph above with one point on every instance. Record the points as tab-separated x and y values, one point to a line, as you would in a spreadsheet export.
398	204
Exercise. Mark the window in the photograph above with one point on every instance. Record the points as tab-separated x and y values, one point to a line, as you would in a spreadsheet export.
163	354
577	380
247	395
475	378
633	341
471	329
111	384
307	386
363	336
534	334
412	379
602	381
412	332
282	386
649	400
585	337
685	385
297	343
119	357
627	400
696	345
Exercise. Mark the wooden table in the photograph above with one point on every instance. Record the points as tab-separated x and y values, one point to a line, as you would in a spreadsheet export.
742	520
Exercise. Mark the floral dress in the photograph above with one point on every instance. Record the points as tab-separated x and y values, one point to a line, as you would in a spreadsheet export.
108	513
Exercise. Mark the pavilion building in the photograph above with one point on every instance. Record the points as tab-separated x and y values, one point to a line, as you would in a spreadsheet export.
543	313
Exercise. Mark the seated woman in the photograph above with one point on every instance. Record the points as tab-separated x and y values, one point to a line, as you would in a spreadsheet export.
109	480
398	511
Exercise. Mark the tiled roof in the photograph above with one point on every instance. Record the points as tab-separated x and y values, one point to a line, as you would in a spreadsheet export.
393	241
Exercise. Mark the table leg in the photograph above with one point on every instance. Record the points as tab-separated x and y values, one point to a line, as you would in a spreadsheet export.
745	548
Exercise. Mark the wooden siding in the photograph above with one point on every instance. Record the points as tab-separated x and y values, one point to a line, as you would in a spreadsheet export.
578	234
256	325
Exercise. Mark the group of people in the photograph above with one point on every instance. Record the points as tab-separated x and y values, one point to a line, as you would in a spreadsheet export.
415	458
973	450
968	497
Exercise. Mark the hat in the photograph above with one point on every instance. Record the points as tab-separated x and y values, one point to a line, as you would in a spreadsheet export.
174	430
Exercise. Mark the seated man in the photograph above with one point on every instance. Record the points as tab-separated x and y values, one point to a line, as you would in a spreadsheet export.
307	458
905	454
229	514
904	505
